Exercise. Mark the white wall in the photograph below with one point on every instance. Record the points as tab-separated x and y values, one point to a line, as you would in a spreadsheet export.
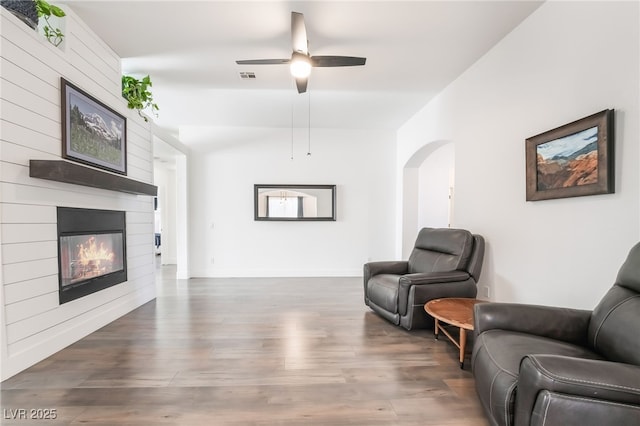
566	61
33	325
359	163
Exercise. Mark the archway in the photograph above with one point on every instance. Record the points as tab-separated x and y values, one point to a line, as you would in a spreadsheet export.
427	191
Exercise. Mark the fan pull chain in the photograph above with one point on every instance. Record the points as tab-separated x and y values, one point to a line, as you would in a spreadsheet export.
292	129
309	124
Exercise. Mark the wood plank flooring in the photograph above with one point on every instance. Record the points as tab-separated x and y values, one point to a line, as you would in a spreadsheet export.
258	351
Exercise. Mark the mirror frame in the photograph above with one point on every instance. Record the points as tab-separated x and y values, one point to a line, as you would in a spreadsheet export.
258	187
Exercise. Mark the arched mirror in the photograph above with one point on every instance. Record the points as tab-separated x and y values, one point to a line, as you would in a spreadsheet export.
294	202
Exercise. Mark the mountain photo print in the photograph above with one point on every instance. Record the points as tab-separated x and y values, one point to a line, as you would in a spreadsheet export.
572	160
92	133
568	161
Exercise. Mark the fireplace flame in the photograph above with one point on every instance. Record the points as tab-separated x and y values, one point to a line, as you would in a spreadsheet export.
92	259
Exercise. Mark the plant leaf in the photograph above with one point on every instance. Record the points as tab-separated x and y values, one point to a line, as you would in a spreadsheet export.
56	11
44	10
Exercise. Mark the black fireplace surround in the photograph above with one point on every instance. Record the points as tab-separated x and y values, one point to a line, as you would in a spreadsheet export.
91	251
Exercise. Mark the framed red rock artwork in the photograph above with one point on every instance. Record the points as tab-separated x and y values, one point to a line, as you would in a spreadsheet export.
572	160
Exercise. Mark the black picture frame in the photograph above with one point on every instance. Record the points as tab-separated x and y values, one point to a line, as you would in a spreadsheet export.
312	202
92	133
573	160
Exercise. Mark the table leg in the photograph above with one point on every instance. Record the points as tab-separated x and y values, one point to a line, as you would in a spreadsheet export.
463	345
435	329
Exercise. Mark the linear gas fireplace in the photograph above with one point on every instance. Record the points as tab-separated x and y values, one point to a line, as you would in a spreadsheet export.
91	251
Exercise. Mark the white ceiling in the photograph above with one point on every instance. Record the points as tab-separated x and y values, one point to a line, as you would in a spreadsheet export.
413	50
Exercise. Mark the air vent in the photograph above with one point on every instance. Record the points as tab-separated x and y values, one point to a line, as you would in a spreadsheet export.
247	75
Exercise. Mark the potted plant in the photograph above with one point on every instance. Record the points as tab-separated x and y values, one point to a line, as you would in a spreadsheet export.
29	11
138	95
26	11
46	10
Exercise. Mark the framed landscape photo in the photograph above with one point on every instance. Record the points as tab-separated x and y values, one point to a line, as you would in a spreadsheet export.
572	160
92	133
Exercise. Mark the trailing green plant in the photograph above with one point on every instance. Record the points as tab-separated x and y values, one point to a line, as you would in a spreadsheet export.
45	10
138	95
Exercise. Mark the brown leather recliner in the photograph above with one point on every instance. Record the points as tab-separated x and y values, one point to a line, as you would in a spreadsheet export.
445	262
538	365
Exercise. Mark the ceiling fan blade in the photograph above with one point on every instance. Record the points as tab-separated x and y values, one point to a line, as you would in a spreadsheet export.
263	62
299	39
337	61
301	84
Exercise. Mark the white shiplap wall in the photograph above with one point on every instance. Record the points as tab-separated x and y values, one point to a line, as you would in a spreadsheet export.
32	323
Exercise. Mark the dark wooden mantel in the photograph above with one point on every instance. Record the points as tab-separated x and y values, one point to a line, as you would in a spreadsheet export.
64	171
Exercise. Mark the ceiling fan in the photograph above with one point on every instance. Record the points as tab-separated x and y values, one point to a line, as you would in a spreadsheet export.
301	61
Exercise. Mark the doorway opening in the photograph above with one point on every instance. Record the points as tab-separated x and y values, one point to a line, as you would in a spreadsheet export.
427	191
170	207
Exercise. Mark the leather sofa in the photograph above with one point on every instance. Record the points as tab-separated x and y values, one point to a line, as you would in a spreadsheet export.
444	262
538	365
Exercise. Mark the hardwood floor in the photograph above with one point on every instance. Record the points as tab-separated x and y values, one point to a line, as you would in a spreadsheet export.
258	351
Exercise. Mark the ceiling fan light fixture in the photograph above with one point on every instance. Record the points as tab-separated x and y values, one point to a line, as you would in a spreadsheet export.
301	61
300	66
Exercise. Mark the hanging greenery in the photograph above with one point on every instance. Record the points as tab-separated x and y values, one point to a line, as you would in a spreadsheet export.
46	10
138	95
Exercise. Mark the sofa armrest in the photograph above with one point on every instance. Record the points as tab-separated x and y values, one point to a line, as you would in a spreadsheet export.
595	380
568	325
370	269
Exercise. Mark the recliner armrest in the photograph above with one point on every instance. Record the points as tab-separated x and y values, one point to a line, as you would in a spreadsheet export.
370	269
587	378
425	280
397	267
568	325
433	277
